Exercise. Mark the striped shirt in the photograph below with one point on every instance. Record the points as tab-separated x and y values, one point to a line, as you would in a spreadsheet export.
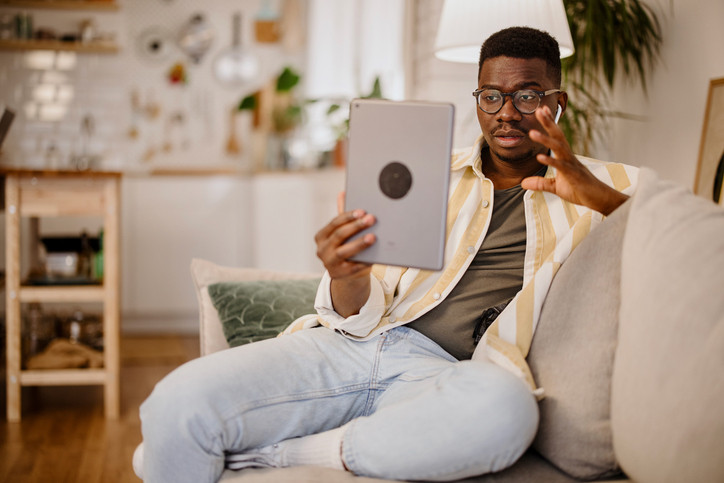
554	228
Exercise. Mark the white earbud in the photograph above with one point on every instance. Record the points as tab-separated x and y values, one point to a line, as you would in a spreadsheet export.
559	111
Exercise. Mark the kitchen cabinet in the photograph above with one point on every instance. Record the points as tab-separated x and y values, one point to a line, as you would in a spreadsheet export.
36	194
265	220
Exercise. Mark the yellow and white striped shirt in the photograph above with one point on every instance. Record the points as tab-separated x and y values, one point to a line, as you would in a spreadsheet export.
554	228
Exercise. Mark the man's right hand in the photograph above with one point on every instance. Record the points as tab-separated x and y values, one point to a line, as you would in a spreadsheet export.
350	280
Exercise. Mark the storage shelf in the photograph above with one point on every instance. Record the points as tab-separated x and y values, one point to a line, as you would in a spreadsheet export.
33	194
62	377
94	293
95	47
62	4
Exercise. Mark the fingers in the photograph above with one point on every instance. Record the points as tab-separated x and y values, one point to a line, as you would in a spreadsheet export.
353	218
334	246
538	183
553	138
337	261
545	117
549	160
352	248
348	269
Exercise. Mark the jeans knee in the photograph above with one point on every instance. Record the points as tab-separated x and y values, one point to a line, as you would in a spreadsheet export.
180	406
478	418
501	403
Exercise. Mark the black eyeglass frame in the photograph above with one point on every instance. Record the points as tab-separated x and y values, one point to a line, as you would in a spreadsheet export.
540	94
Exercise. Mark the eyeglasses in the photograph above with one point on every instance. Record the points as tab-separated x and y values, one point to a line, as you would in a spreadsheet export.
526	101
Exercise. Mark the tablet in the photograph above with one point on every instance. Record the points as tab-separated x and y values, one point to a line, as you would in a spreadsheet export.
398	169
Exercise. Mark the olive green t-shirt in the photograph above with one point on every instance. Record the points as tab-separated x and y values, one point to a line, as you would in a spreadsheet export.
494	277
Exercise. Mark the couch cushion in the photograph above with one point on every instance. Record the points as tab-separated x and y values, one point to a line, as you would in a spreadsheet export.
530	468
261	309
668	381
205	273
572	352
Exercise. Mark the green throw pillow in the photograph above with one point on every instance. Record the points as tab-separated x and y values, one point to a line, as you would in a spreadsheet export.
258	310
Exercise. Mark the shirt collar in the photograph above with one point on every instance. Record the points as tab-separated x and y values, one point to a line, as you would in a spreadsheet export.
470	158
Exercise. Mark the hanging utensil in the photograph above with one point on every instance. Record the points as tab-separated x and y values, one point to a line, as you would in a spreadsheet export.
196	37
236	66
85	160
154	44
233	146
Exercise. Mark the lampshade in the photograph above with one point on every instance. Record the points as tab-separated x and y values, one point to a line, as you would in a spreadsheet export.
465	24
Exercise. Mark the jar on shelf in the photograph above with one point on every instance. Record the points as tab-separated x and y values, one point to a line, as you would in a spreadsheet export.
23	26
7	27
37	331
83	328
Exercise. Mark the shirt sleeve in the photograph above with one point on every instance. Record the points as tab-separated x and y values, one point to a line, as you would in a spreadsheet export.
359	325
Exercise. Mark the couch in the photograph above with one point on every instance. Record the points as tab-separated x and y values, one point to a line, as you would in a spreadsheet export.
629	348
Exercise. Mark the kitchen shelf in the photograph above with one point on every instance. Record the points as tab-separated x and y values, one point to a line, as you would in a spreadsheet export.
95	47
35	194
61	5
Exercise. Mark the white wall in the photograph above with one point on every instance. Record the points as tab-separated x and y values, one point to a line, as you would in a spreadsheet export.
436	80
692	54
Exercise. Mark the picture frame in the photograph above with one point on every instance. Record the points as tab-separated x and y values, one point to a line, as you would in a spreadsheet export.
710	169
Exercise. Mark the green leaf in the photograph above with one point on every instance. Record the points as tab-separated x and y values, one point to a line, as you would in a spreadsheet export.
287	80
333	108
376	90
248	103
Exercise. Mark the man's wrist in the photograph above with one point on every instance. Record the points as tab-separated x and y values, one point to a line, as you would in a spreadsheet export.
349	294
613	202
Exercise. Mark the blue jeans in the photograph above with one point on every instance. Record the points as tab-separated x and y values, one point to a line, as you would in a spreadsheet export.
416	412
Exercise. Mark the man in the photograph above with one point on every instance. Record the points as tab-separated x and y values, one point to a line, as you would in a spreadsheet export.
385	387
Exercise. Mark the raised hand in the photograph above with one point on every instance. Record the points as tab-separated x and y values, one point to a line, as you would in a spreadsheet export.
573	181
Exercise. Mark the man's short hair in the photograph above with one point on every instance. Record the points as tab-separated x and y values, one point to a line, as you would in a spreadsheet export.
523	43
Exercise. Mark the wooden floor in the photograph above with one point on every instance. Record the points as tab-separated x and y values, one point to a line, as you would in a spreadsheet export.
63	436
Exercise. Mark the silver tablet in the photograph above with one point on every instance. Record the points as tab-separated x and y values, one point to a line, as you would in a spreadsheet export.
398	169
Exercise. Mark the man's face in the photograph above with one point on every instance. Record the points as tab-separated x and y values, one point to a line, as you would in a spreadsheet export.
506	131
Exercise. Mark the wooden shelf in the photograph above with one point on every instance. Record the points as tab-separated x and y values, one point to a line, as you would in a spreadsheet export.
33	194
62	377
62	4
96	47
93	293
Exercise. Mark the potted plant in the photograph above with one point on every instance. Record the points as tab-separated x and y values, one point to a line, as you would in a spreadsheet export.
611	37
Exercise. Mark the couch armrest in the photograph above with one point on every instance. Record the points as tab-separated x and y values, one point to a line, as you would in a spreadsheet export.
205	273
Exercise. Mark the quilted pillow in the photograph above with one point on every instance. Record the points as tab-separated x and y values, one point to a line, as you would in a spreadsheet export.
261	309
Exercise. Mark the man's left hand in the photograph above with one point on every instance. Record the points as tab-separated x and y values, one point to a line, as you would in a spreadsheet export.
573	181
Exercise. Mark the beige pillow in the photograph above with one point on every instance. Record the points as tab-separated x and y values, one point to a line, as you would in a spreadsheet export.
205	273
572	355
668	384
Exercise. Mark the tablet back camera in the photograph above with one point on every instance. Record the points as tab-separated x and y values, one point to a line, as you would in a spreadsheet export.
395	180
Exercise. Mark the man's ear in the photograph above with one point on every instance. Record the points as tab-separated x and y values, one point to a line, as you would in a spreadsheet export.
563	101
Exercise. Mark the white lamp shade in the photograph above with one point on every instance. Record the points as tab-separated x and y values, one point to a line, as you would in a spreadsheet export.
466	24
